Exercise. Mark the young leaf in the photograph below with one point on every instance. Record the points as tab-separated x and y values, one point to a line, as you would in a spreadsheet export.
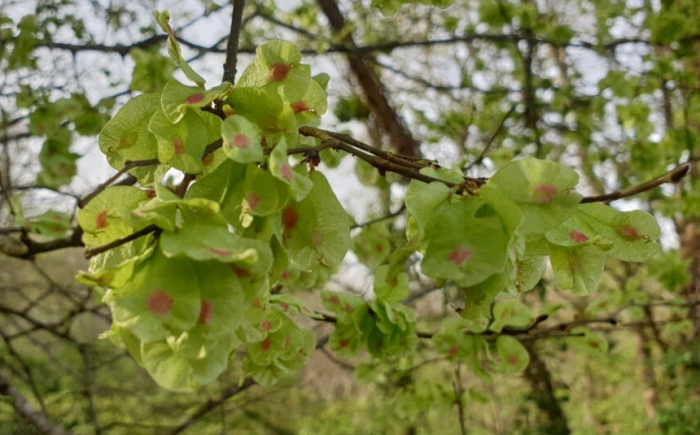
390	289
278	69
466	242
372	245
542	190
514	358
632	234
242	140
577	269
169	364
202	239
281	169
102	219
162	296
174	51
317	229
126	136
177	98
510	313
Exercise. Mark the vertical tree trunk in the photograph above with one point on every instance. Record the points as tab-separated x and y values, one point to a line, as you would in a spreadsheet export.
648	375
554	421
690	248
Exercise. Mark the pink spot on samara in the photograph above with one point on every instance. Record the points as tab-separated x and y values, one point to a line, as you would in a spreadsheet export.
150	193
628	232
286	274
241	141
195	98
348	308
205	312
544	193
459	255
453	350
266	344
101	220
159	302
251	201
343	343
287	172
265	325
290	217
279	71
178	146
220	252
284	306
299	106
317	238
578	236
240	272
334	300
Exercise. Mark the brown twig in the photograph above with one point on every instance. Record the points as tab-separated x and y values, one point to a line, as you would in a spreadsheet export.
232	44
673	176
129	165
381	218
492	138
89	253
27	411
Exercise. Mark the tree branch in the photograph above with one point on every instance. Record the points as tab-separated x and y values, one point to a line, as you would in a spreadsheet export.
89	253
27	411
232	44
673	176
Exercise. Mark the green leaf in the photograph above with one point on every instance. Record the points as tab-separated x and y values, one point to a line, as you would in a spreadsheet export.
151	70
115	267
311	106
423	200
182	145
590	342
283	350
632	234
126	136
186	363
54	224
174	51
242	140
671	270
268	111
103	218
278	69
530	271
202	238
372	245
514	358
456	340
466	242
542	190
317	229
280	168
393	333
177	98
510	313
390	7
577	269
390	288
162	296
58	164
